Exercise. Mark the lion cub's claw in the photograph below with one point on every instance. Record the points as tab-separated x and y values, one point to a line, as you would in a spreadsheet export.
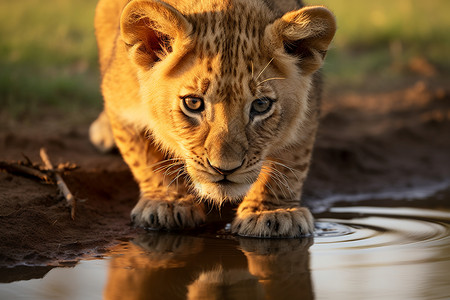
280	222
167	214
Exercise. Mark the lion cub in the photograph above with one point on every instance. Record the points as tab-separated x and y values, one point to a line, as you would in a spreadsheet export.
213	100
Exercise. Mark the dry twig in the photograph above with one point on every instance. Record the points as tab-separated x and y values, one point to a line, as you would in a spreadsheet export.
61	184
25	170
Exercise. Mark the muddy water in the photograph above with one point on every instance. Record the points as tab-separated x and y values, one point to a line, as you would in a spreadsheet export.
358	252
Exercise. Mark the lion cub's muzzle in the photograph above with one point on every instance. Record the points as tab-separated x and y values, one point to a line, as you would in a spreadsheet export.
221	182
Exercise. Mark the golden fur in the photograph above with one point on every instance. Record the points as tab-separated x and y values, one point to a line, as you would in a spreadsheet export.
214	100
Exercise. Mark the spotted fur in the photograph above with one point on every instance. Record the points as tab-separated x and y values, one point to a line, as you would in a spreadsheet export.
251	67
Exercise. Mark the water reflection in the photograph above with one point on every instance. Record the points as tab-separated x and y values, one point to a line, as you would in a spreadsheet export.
171	266
359	252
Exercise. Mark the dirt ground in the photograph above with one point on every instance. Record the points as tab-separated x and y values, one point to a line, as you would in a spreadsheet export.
368	142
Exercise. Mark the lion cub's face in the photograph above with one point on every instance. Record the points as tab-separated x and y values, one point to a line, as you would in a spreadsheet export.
225	125
223	99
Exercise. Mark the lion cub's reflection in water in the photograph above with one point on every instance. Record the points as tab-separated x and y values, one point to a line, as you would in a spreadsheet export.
187	267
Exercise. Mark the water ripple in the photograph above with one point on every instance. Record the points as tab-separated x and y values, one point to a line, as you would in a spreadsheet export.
384	236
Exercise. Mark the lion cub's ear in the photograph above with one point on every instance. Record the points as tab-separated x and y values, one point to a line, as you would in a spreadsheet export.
151	30
306	34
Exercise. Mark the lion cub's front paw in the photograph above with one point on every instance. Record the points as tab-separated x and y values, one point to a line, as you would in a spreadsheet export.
167	214
278	222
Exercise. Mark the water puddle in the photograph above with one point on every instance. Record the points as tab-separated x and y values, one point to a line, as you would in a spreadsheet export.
387	253
358	252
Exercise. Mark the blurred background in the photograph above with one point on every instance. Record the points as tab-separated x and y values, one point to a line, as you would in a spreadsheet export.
48	58
383	44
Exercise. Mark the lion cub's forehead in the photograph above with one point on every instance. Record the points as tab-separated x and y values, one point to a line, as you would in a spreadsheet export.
230	41
230	52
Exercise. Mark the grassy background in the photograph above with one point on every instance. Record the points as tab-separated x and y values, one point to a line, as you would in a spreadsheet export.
378	41
48	54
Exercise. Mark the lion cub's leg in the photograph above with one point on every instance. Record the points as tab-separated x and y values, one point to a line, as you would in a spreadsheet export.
161	204
272	206
100	133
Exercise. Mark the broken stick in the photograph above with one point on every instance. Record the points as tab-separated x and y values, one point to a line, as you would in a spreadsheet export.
17	168
61	184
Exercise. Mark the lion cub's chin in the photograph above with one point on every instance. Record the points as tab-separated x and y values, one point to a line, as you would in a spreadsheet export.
220	192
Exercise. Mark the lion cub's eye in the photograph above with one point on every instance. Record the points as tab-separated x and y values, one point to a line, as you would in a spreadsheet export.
193	104
261	106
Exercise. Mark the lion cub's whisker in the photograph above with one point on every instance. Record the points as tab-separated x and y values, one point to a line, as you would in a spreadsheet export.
269	79
181	172
262	71
162	162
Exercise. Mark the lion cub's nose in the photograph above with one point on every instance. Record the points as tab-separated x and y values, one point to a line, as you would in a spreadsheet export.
224	172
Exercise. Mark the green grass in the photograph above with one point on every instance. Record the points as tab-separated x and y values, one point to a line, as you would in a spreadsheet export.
369	23
378	39
48	56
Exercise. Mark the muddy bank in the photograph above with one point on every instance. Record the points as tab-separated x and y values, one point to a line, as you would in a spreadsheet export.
386	141
367	143
36	227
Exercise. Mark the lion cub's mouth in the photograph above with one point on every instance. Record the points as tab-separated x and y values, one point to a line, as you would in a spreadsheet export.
224	182
220	188
223	190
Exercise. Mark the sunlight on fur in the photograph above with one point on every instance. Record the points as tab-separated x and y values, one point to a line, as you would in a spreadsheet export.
213	101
